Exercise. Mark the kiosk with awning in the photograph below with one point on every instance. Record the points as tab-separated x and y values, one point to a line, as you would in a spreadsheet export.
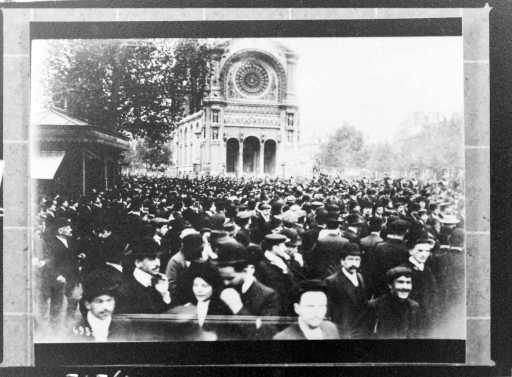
73	157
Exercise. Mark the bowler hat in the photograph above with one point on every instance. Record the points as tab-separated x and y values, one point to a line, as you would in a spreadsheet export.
146	248
192	246
97	283
398	227
350	249
61	222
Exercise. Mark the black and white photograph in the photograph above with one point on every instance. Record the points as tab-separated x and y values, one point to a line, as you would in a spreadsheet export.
248	189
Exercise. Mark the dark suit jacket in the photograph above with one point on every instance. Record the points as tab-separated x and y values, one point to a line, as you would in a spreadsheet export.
388	254
118	331
369	263
388	317
135	298
293	332
273	277
346	302
61	260
259	228
425	293
260	300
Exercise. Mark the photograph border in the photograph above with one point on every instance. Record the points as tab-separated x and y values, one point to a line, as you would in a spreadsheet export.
17	45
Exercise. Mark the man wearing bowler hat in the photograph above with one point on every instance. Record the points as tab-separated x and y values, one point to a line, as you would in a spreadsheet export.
347	292
60	271
99	300
146	290
394	314
390	253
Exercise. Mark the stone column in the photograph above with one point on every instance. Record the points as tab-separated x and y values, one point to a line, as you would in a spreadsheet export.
18	348
241	156
262	156
475	32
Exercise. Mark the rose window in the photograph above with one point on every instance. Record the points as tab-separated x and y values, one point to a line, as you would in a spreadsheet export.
252	78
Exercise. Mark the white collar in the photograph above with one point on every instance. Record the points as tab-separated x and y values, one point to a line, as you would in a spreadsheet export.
418	265
158	239
394	237
247	283
310	334
142	277
62	239
202	311
118	267
352	277
99	327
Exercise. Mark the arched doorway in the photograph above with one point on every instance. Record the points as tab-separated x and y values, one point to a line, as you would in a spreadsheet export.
232	153
270	157
251	155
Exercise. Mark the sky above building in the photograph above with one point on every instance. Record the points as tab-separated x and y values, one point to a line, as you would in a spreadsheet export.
375	84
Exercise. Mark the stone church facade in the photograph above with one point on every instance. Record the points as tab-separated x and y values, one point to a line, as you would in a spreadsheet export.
249	124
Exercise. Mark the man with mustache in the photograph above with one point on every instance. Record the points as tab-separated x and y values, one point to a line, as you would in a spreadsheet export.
99	301
347	292
146	290
394	314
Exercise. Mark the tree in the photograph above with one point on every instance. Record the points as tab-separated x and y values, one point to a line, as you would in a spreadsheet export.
141	87
344	149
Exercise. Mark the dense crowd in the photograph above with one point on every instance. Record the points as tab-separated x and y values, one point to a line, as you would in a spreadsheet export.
365	258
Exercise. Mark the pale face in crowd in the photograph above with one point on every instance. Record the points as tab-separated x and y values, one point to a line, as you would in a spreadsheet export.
401	287
149	265
101	306
312	308
421	252
351	263
162	231
201	289
66	231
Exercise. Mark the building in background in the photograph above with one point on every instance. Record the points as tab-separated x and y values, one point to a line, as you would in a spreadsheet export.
249	124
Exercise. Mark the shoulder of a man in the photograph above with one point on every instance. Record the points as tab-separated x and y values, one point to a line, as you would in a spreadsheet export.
290	333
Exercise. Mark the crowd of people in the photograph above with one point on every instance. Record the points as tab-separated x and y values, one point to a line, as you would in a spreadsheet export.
323	258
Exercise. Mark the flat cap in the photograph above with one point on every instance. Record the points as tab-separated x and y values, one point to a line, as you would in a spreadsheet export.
398	271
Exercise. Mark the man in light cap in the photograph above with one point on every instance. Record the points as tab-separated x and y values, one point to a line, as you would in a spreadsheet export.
394	314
